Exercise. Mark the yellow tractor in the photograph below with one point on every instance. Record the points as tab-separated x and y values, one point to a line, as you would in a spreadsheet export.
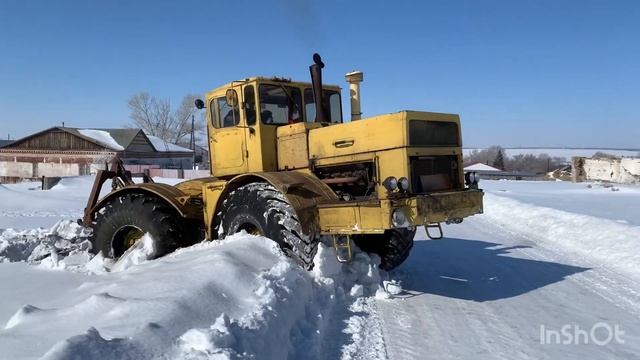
285	165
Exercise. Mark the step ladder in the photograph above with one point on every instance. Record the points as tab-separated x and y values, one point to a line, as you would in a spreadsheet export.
342	244
433	226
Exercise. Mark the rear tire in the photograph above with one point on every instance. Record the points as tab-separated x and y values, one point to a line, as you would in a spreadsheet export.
127	217
393	247
260	209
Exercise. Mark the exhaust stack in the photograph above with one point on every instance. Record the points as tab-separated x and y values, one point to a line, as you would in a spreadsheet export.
318	96
354	79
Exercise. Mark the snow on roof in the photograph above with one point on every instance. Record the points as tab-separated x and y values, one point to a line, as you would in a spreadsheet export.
163	146
102	137
481	167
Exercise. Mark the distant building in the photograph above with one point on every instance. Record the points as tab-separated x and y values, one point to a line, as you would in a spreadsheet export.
202	157
64	151
490	173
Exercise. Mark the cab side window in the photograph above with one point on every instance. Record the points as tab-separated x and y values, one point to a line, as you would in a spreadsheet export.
333	106
250	105
227	116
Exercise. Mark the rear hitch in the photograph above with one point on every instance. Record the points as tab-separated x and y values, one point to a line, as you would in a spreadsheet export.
121	177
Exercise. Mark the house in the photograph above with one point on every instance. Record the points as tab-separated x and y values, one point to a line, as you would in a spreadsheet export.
490	173
65	151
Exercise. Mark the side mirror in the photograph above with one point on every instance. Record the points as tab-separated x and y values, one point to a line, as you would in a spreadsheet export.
199	104
232	98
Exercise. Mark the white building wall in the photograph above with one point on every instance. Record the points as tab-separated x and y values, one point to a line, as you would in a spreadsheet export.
57	169
626	170
16	169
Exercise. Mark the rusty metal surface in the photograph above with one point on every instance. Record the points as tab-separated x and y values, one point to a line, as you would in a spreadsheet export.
445	206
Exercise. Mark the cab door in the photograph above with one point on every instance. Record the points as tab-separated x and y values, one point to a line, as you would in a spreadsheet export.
227	141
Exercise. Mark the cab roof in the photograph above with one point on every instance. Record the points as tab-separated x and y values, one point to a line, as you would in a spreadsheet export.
272	79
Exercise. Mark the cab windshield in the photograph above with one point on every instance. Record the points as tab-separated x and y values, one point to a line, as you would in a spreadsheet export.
280	104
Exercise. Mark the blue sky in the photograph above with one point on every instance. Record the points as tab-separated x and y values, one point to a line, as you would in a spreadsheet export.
520	73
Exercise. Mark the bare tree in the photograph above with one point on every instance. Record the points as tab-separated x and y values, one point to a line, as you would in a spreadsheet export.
495	155
155	117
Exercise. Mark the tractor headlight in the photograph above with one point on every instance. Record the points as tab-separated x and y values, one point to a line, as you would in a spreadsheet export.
471	178
399	218
403	183
391	183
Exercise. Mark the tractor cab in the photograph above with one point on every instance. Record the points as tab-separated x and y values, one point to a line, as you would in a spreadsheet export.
244	116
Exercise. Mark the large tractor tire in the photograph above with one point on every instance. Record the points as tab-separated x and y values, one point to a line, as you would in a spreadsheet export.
260	209
126	218
393	247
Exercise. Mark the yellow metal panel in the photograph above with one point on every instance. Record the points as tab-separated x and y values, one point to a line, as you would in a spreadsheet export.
339	218
228	151
372	134
211	192
293	151
266	150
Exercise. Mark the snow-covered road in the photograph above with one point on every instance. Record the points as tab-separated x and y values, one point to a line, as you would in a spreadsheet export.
488	293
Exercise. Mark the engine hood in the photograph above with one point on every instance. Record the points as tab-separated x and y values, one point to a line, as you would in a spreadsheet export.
373	134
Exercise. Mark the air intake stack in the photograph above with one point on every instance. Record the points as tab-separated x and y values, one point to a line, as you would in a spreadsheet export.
354	79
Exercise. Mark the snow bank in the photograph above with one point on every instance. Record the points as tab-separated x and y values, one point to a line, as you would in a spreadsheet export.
64	245
606	242
25	206
102	137
240	297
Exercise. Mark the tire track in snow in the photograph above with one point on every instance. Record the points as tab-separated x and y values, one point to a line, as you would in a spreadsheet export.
445	324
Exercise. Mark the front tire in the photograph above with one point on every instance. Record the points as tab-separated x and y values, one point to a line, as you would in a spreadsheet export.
393	247
126	218
260	209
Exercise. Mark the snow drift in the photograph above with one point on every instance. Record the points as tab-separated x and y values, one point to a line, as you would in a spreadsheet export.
237	298
606	242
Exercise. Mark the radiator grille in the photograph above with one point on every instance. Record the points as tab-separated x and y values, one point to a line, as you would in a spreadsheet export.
433	133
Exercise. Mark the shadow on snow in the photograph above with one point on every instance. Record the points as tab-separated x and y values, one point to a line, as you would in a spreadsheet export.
476	270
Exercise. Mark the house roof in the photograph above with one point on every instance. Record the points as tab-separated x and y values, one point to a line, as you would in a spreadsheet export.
113	139
481	167
5	142
164	146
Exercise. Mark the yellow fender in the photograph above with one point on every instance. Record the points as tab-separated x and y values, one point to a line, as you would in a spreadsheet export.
303	191
173	196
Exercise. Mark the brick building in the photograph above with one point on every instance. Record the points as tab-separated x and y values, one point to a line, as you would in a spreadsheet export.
64	151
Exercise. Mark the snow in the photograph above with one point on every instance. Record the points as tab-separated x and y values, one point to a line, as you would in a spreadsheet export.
606	201
101	137
163	146
543	254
